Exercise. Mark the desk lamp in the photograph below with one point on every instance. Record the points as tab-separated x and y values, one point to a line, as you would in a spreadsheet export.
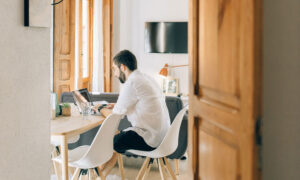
164	71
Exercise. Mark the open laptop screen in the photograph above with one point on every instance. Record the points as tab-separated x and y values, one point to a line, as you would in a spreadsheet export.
85	93
78	95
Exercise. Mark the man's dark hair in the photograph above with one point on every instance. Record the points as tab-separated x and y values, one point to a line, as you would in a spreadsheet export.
126	58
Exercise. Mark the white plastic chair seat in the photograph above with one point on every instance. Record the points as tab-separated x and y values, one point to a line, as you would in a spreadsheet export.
156	153
85	164
55	140
74	154
170	141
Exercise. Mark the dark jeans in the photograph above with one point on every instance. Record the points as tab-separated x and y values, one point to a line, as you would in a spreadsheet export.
126	140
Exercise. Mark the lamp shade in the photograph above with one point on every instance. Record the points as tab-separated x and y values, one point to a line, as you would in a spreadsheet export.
164	71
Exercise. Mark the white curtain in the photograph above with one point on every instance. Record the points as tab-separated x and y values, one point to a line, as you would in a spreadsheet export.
98	72
76	44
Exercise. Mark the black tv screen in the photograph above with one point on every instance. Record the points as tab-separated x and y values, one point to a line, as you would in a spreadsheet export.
166	37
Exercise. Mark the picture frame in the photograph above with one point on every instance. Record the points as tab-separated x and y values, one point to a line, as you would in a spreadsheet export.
170	86
37	13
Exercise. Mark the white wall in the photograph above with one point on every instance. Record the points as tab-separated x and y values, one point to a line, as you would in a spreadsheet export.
133	15
24	96
281	154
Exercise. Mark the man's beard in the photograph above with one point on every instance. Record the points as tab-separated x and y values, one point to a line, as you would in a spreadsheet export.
122	77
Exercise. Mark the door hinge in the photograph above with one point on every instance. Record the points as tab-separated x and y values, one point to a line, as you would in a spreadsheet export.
258	140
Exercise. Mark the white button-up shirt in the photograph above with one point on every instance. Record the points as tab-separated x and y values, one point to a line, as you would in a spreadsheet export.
142	100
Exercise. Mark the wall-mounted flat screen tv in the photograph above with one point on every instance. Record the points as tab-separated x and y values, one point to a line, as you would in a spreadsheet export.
166	37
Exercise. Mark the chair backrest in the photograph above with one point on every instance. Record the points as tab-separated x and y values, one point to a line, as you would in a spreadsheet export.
170	141
101	149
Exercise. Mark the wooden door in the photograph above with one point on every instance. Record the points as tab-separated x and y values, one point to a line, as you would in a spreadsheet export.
225	89
85	29
64	47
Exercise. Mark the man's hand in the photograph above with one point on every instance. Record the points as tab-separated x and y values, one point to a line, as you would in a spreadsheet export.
95	108
110	106
107	110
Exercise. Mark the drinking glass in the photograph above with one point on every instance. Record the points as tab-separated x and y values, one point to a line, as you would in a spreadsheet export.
86	110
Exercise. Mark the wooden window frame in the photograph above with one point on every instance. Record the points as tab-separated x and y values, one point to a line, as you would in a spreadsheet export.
107	18
64	46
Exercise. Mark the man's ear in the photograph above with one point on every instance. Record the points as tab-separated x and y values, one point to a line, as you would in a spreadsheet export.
123	67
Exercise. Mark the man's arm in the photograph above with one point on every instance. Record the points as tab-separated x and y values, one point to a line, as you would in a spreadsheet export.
127	98
106	112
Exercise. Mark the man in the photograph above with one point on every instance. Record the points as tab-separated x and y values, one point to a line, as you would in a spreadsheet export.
142	100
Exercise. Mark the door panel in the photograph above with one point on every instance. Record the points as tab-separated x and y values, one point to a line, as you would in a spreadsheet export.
65	67
64	47
64	88
63	18
219	51
225	91
218	158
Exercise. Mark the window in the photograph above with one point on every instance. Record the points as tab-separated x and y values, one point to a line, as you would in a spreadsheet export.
81	56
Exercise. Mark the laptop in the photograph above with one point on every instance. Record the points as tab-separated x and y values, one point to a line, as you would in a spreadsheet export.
83	92
82	98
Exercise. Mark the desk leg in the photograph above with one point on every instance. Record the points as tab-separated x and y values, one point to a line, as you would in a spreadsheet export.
64	154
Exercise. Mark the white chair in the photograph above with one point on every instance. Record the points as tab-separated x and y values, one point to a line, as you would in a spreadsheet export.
99	152
167	147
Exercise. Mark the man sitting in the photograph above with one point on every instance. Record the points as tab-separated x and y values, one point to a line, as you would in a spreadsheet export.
142	100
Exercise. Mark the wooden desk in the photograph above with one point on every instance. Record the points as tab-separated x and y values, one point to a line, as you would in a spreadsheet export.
64	127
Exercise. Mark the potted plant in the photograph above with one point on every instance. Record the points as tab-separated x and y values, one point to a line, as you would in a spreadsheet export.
66	109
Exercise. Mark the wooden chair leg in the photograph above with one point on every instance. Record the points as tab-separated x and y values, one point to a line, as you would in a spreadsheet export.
121	167
161	170
72	170
100	173
76	174
56	166
177	166
84	177
91	174
109	165
143	169
165	167
169	169
148	169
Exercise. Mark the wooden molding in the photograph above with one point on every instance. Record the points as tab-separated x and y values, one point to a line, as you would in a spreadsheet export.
107	15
